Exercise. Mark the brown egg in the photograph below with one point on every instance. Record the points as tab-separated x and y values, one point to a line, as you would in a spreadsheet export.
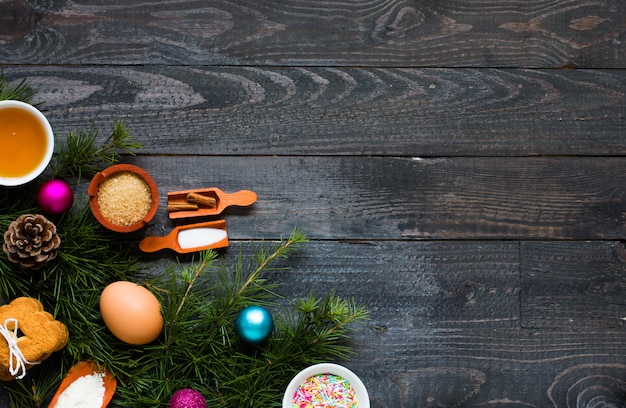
131	312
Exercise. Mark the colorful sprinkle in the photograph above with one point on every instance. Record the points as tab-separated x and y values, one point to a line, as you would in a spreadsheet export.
325	391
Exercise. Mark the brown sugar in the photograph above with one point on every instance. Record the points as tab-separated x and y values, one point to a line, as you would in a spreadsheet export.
124	198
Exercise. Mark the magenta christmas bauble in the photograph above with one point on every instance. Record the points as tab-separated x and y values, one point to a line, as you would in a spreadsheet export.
55	197
187	398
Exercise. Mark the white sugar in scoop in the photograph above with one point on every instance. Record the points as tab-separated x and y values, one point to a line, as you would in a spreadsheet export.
189	238
84	392
200	237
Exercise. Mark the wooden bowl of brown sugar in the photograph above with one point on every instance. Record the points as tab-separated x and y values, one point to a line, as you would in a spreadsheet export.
123	197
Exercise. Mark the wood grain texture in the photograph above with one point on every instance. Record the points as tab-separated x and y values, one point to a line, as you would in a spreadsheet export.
342	111
538	33
409	199
493	368
449	320
578	286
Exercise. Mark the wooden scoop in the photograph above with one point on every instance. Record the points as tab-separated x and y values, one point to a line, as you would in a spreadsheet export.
177	200
189	238
80	370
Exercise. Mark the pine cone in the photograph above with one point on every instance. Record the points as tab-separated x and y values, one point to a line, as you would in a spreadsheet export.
31	241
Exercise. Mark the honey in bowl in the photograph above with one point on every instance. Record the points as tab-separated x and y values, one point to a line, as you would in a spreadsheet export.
26	143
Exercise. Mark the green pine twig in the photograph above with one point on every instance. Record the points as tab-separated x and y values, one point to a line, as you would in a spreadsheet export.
265	255
81	155
200	348
20	91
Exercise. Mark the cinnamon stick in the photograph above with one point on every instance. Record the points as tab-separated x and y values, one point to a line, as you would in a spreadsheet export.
182	207
201	199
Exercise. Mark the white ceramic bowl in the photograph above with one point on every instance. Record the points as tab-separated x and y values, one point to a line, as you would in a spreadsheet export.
327	368
36	115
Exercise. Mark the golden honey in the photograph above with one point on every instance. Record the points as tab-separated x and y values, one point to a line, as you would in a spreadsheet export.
23	142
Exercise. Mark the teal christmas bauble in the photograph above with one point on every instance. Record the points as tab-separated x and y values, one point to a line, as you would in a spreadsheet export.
254	324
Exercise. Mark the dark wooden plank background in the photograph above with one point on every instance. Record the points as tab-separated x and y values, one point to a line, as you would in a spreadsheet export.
343	111
462	33
460	167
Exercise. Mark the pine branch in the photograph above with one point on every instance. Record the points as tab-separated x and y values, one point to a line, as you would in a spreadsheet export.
265	257
206	258
200	348
20	91
81	155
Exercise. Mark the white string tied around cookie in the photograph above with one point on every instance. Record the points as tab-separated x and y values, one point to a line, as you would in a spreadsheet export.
14	349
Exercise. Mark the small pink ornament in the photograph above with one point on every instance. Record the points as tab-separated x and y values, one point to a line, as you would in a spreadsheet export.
55	197
187	398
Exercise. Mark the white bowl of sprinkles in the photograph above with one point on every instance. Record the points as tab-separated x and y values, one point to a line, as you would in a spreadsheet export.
326	385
